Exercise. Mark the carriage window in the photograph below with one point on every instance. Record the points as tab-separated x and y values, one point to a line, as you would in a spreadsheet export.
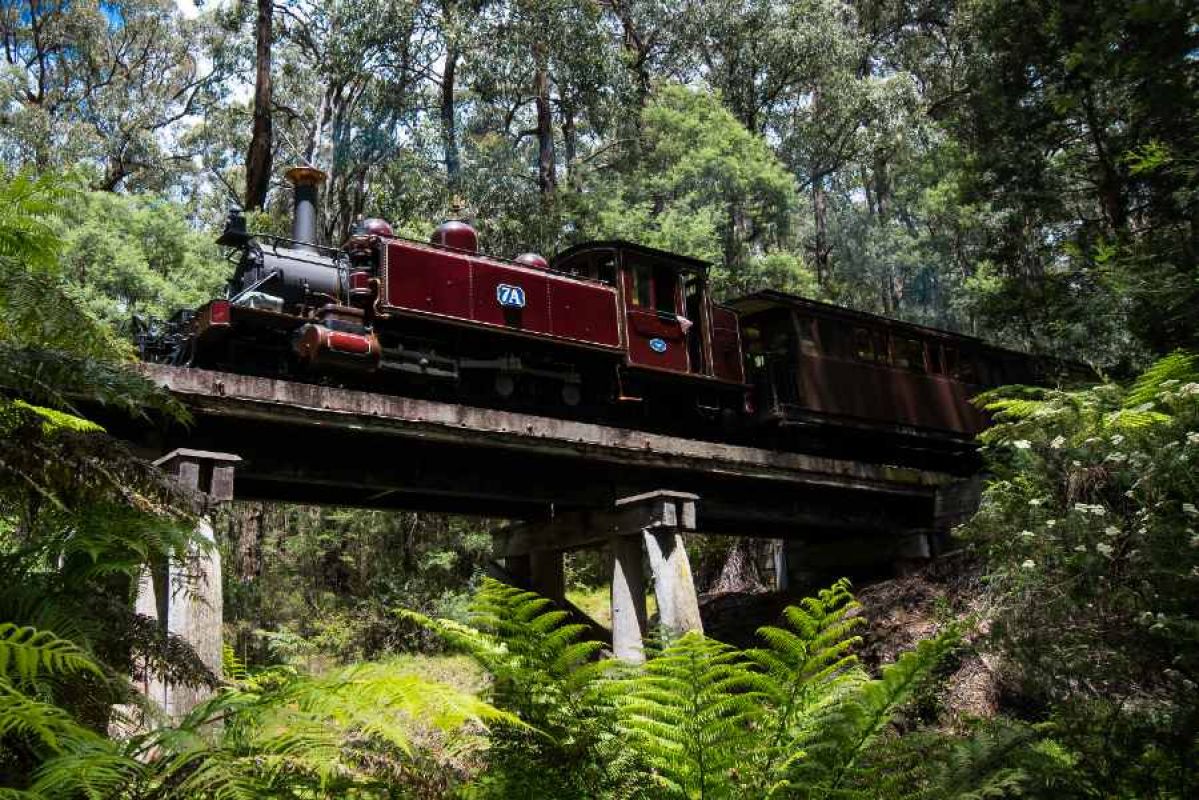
951	361
863	344
909	354
934	360
666	286
807	335
959	366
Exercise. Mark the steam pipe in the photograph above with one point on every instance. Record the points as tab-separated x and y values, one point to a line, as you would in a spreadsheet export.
305	182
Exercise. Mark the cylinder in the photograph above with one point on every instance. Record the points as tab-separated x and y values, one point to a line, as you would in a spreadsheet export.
305	182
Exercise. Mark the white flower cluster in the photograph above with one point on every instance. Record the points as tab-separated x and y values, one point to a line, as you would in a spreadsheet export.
1193	437
1189	389
1059	441
1022	444
1086	508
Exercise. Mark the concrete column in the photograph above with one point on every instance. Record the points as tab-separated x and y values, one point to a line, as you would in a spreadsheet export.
520	568
186	598
548	573
628	600
782	576
678	604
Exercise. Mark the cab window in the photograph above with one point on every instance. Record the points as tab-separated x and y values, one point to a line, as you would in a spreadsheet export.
666	287
641	290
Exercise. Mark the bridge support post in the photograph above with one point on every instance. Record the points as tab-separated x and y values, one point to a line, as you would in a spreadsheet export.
186	599
655	519
629	617
674	587
547	574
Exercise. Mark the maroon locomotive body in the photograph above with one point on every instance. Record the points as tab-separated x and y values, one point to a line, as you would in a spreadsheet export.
608	323
607	330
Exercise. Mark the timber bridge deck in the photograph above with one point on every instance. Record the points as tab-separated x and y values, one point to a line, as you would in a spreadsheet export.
317	444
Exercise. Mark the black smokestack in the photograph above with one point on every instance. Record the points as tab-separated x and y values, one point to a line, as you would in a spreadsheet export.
305	182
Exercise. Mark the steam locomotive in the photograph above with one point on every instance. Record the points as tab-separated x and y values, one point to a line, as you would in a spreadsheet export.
606	330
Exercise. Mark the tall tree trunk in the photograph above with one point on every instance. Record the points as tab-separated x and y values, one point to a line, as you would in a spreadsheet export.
569	141
882	189
449	125
820	249
546	179
258	160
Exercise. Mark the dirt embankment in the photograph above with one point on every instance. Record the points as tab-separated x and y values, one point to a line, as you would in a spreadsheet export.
900	612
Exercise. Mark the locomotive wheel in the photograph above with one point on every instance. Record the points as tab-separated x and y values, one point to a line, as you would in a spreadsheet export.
572	394
505	385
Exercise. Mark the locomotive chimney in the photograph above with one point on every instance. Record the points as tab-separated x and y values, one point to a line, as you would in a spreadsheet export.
305	183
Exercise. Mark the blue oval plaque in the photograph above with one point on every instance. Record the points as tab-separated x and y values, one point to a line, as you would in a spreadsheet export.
657	345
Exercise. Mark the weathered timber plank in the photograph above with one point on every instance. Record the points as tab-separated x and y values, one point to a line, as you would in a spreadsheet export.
576	529
298	404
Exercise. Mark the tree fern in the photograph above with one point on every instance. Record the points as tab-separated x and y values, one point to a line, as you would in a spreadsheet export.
281	732
550	676
844	731
805	667
693	713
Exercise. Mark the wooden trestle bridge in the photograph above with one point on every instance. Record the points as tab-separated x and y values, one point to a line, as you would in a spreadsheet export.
562	485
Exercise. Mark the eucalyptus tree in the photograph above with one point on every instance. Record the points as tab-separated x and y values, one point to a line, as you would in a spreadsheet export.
348	93
108	87
1080	125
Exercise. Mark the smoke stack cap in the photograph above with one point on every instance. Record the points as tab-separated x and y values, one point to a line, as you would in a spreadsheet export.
535	260
456	234
305	176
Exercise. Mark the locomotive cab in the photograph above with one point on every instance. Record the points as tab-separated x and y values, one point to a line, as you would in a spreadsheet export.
670	324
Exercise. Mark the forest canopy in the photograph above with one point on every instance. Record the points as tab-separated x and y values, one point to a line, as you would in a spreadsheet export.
1020	171
1025	172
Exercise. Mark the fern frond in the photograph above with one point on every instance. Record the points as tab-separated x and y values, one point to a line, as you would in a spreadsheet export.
1178	366
847	728
27	653
91	767
43	723
691	715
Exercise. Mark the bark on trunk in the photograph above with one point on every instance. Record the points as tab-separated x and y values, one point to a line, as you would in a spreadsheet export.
820	218
258	159
449	129
569	141
742	570
546	179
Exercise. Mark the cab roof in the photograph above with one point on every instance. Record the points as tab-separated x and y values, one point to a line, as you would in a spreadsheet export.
684	263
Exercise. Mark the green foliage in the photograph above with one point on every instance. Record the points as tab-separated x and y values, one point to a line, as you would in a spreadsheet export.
1089	536
691	715
544	671
282	733
794	718
704	185
127	256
